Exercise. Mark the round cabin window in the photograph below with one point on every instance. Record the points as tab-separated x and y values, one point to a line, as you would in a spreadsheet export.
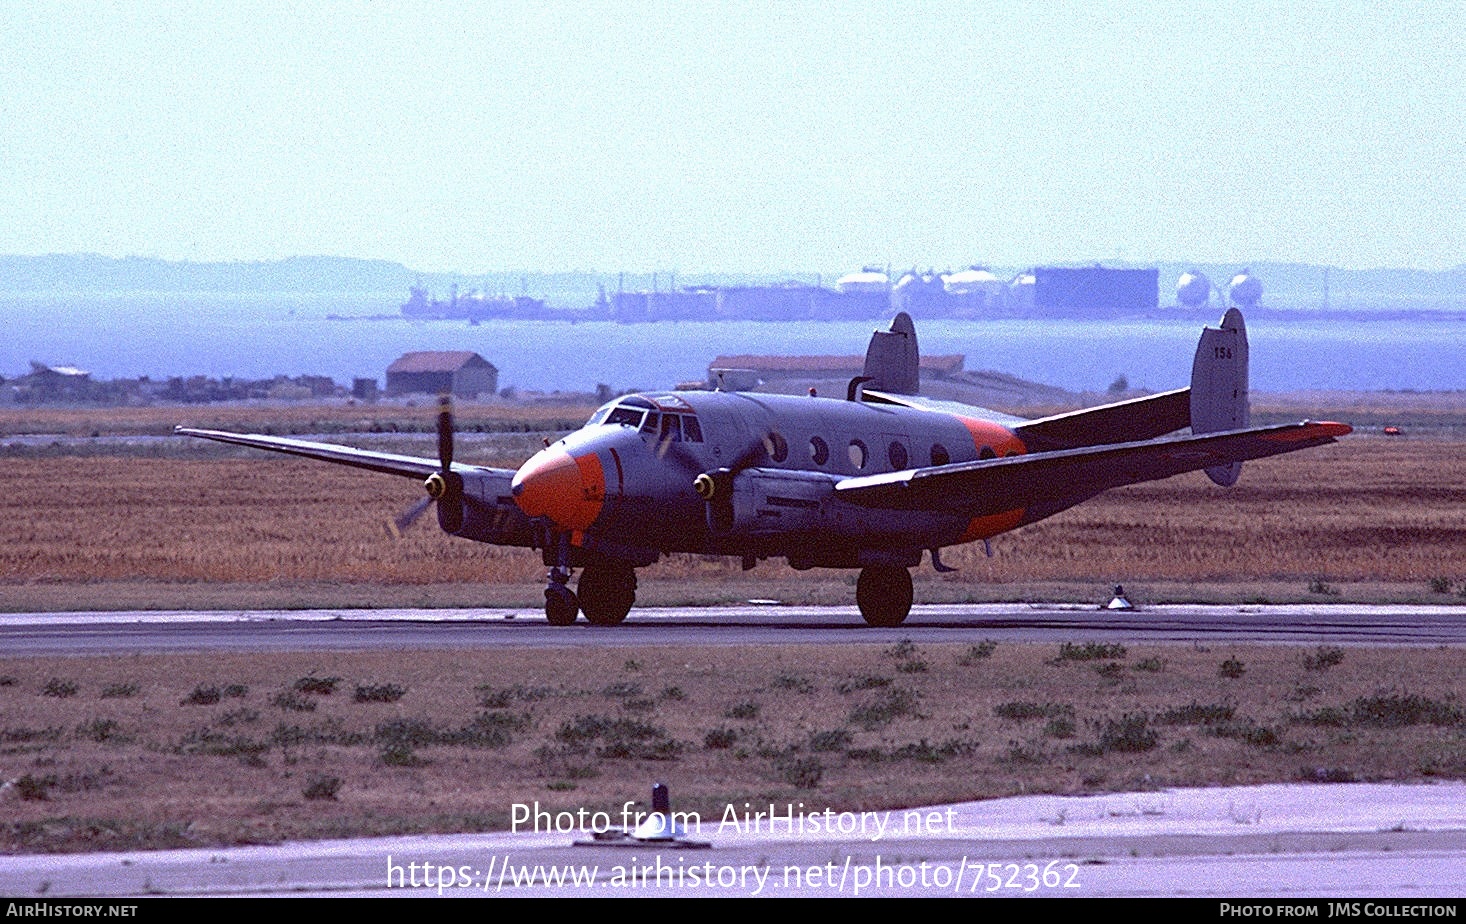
819	451
777	446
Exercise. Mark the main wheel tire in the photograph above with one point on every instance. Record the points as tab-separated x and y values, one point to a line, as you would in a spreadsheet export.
607	593
561	607
883	593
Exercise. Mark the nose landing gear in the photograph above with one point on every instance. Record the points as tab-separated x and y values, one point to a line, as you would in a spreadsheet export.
561	605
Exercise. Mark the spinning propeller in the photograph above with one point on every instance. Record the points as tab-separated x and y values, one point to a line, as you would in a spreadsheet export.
444	486
716	486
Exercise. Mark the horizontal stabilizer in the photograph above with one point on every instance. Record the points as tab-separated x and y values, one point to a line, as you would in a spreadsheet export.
923	403
1061	478
1122	422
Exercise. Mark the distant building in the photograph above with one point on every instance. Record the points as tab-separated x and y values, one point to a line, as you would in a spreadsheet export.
736	373
50	383
459	372
1095	289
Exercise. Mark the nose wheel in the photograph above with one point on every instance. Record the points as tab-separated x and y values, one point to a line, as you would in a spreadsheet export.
561	605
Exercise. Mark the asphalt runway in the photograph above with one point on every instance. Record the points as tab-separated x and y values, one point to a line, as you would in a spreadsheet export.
342	630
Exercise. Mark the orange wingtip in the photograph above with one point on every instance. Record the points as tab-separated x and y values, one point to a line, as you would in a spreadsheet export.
1311	430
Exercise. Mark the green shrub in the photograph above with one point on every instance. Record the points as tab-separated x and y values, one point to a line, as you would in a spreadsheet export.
317	686
720	739
201	696
322	788
890	705
793	682
1195	713
1323	659
1024	711
1091	651
979	652
379	693
836	739
61	689
747	709
867	682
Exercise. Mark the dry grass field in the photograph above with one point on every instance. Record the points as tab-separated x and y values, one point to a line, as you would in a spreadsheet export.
1367	519
153	751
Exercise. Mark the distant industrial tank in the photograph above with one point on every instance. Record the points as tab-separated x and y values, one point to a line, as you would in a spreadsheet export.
1193	289
921	294
971	282
869	279
1245	290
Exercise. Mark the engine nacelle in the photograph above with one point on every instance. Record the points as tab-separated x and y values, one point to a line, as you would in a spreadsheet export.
771	502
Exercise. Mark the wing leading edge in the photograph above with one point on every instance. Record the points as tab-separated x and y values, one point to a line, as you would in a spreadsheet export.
386	462
1054	480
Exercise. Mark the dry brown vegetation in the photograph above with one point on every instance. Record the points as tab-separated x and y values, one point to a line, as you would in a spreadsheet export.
206	749
1372	517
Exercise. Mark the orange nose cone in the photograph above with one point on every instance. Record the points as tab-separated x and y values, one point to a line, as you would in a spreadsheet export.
567	490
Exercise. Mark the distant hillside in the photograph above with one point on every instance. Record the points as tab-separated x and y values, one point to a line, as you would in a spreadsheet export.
92	273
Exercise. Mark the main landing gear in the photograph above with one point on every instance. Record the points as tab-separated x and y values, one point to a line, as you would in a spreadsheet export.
607	591
883	593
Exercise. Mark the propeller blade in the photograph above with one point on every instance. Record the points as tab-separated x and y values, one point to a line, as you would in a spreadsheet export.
407	517
445	431
676	452
754	454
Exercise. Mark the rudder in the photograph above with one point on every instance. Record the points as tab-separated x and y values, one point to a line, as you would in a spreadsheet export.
1219	399
892	361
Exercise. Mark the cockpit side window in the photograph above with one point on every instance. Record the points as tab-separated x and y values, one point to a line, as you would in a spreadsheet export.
650	424
691	429
671	430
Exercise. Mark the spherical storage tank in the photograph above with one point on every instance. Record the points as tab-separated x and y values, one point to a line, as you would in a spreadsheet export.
869	279
1193	289
1245	290
971	281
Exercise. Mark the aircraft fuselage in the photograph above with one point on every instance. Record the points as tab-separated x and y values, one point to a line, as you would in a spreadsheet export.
623	485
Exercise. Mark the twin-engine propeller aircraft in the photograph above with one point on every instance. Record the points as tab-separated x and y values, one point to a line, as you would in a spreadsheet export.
868	482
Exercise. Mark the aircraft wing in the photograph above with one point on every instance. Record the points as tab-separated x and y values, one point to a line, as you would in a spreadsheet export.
389	463
1066	476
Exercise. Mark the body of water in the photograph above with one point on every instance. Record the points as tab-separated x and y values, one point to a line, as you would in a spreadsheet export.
261	336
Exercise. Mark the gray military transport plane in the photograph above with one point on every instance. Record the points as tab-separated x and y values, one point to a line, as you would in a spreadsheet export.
869	481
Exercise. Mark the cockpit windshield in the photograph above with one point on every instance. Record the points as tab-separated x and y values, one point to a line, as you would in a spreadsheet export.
640	414
626	416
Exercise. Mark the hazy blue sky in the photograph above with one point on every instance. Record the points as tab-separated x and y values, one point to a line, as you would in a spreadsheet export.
741	136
